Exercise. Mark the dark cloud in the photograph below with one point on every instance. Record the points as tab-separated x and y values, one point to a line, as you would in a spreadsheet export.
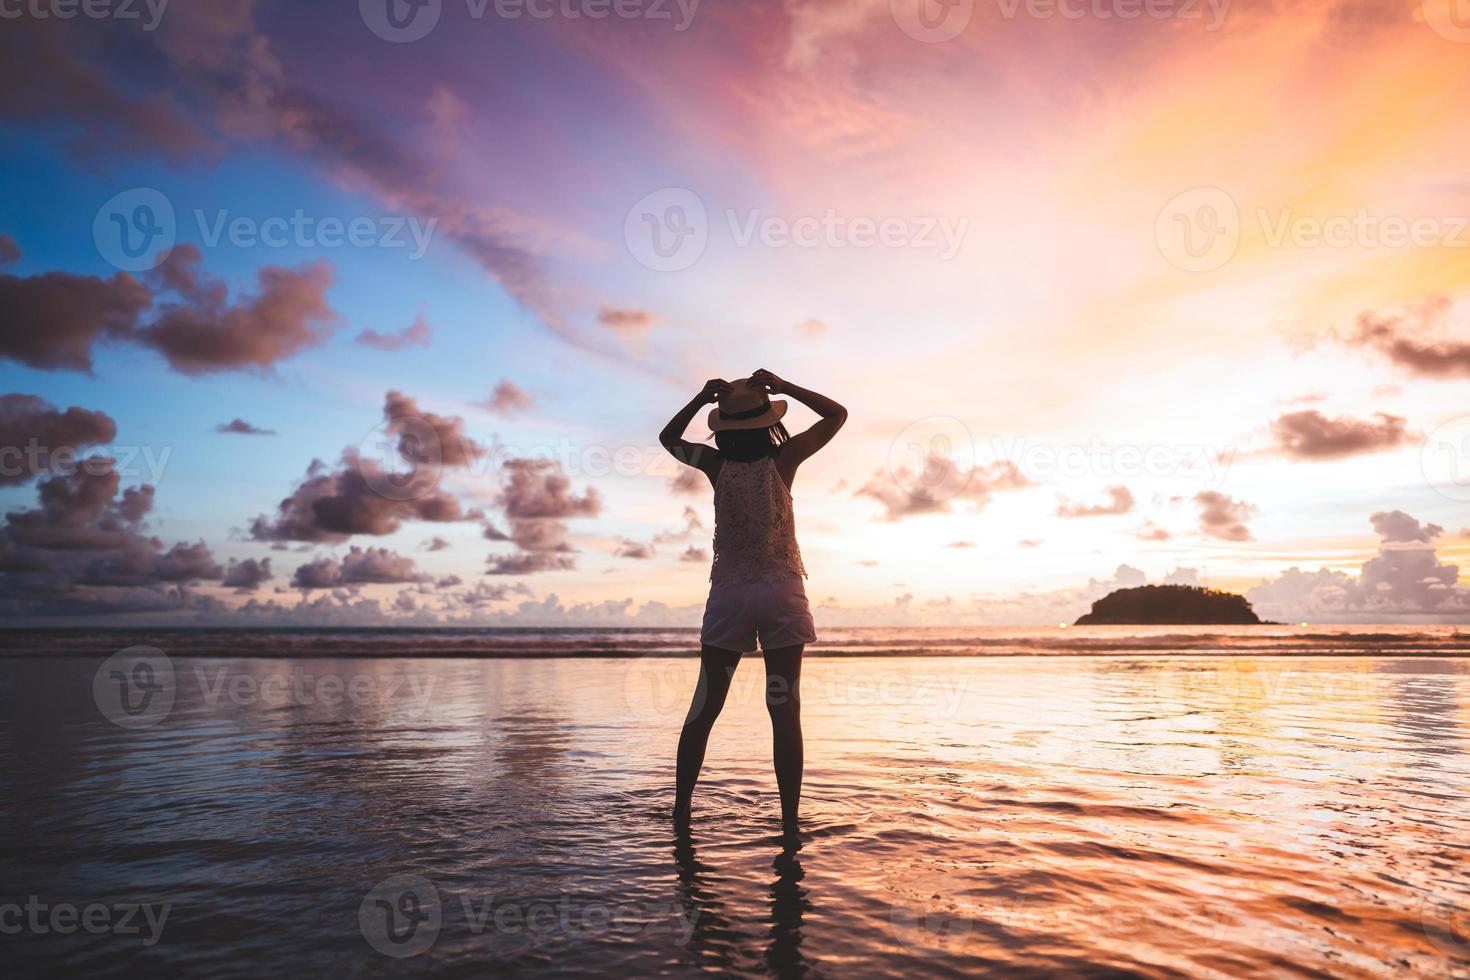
508	398
1396	527
1407	340
537	498
435	544
417	334
693	554
688	481
529	562
1224	517
34	434
9	250
1120	501
361	496
53	320
905	493
360	566
203	331
1312	435
427	439
538	489
484	594
243	428
358	497
628	322
637	550
86	549
247	575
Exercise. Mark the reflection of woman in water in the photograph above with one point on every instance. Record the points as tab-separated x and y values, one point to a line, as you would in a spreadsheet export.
756	590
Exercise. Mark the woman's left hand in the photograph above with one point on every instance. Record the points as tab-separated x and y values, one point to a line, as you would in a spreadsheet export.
768	381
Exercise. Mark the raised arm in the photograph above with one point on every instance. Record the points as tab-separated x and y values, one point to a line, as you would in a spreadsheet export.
694	454
804	444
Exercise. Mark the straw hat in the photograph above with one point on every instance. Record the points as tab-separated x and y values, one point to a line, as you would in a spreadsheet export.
745	406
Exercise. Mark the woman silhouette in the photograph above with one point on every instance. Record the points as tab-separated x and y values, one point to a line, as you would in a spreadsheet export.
756	589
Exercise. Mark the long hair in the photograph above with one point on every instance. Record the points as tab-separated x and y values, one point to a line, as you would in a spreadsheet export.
749	445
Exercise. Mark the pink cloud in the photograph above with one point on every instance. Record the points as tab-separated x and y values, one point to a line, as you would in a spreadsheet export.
1224	517
416	334
1120	501
508	398
1313	436
30	422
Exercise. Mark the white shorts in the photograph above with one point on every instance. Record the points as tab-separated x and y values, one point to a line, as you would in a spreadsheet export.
776	613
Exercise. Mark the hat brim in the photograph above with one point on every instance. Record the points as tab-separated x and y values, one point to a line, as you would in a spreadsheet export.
762	421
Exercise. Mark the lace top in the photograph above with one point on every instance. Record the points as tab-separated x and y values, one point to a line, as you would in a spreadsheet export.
755	530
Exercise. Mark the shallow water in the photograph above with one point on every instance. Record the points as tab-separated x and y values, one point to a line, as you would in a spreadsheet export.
1146	816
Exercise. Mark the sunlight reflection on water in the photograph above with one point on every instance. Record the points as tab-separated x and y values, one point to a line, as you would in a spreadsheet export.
1149	815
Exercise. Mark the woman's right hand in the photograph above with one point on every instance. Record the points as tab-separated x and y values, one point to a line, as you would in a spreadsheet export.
714	389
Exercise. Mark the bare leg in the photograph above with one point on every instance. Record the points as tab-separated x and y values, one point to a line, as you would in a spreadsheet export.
716	668
783	701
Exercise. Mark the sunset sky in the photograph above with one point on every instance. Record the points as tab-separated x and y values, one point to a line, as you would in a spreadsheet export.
1111	297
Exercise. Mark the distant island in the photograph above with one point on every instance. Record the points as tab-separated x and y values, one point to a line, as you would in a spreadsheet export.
1170	605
